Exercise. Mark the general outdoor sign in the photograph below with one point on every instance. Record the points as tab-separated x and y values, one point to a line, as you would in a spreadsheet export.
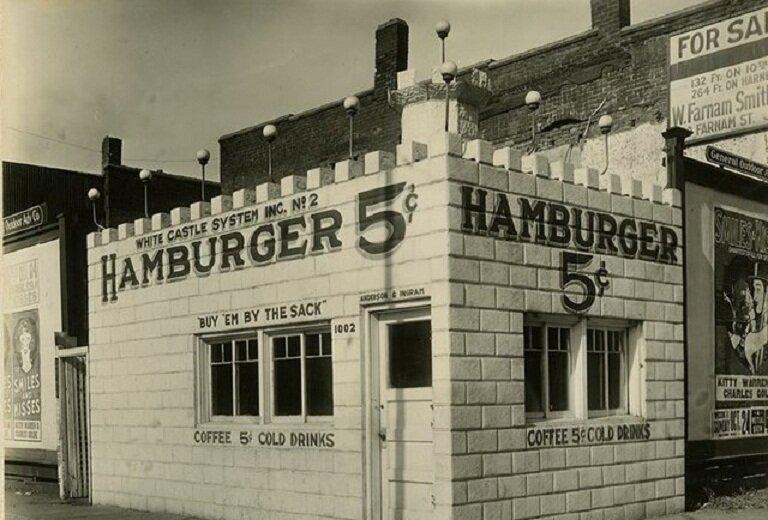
24	220
751	168
719	76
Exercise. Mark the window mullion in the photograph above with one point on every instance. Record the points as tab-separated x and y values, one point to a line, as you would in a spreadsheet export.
303	354
545	368
234	378
606	375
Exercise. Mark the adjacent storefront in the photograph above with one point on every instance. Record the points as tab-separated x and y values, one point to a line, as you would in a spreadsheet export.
727	333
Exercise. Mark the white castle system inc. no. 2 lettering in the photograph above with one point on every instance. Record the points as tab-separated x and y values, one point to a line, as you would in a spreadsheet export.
261	244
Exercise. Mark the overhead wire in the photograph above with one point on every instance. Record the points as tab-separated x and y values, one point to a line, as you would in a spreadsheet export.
93	150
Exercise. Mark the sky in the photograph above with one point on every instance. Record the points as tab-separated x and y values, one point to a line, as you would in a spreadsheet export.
171	76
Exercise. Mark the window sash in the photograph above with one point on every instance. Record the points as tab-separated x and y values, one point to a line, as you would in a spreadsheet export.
229	344
620	365
547	351
324	352
614	341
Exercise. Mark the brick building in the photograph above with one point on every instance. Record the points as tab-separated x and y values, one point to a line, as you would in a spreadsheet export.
447	326
622	65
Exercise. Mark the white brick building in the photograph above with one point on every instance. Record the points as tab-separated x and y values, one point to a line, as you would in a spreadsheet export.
451	332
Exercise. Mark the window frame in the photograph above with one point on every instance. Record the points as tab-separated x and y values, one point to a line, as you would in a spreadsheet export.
623	407
269	337
544	323
633	372
205	397
264	337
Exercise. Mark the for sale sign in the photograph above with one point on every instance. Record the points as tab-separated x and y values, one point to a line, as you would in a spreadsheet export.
719	77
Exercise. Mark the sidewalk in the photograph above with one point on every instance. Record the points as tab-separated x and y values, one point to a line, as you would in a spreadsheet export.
43	503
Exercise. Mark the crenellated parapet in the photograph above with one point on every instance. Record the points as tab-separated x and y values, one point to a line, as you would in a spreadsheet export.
474	162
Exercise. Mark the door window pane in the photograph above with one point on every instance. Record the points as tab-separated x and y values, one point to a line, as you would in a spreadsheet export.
410	354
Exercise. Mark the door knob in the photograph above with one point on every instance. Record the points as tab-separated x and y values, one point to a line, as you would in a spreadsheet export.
383	435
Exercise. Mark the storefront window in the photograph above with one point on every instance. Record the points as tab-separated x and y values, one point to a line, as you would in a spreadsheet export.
303	375
606	379
564	356
234	377
290	378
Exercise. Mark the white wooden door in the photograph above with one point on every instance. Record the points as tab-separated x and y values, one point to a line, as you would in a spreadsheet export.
406	462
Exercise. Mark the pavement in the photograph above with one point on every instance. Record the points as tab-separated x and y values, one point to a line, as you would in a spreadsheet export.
41	501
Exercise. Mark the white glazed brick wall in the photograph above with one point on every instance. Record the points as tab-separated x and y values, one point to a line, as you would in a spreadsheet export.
142	359
493	284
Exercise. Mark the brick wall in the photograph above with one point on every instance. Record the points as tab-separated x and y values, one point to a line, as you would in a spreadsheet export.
322	134
624	65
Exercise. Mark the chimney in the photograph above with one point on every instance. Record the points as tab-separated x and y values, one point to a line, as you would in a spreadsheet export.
391	53
609	16
422	104
111	151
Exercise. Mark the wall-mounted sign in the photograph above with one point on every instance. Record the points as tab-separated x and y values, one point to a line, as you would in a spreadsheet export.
268	314
741	314
22	377
719	76
265	438
260	236
395	294
735	423
580	435
345	328
558	225
30	218
741	164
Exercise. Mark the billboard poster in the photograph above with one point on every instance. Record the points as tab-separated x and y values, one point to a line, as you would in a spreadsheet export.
741	324
719	77
22	376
